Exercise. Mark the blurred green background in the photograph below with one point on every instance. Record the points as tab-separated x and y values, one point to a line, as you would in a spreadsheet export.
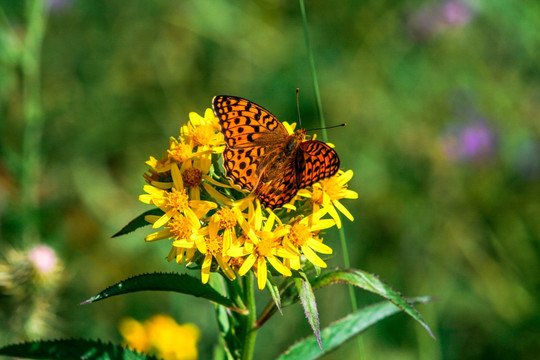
442	99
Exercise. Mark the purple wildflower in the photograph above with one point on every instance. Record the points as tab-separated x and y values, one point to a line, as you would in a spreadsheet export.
471	142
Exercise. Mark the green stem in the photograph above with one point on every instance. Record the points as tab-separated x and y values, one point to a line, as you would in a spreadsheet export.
318	100
250	331
313	72
33	119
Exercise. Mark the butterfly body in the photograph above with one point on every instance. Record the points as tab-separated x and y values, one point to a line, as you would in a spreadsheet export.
262	157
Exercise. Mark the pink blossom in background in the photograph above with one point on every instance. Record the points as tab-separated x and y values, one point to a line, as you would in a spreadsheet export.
432	19
44	258
455	12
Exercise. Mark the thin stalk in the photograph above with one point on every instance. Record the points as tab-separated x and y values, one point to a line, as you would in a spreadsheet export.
347	263
33	118
250	331
313	72
318	100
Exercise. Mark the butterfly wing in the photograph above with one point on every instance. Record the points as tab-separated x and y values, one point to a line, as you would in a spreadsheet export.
312	161
245	124
315	161
252	135
281	190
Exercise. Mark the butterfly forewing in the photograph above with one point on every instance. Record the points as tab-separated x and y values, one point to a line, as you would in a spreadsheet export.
246	124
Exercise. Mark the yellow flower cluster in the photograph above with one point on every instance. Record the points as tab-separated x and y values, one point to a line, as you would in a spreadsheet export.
215	226
161	335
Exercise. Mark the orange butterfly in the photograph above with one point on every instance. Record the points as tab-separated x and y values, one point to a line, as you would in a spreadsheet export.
261	156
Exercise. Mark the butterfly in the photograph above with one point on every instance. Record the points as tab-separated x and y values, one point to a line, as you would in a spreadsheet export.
261	156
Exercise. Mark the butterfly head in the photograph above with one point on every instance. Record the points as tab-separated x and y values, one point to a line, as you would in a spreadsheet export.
300	134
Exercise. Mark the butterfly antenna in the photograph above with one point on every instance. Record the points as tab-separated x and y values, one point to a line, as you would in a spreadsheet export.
298	107
328	127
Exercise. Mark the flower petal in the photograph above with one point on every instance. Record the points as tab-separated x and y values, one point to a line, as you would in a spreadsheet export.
313	257
248	263
205	268
319	246
262	272
278	265
177	177
160	235
343	210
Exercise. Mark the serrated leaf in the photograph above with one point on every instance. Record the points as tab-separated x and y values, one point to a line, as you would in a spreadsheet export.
372	283
71	349
344	330
274	292
138	222
181	283
307	298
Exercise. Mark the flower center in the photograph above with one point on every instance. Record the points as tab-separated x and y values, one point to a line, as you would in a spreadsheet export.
215	245
236	263
180	152
203	134
178	200
299	234
227	219
192	177
264	247
180	227
332	187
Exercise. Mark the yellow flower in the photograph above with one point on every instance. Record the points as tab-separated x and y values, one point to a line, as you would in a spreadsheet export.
204	132
302	235
213	249
134	334
327	193
264	246
227	219
176	201
162	335
184	231
192	171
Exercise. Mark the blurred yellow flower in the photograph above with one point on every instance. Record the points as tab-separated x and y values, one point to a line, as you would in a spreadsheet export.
163	336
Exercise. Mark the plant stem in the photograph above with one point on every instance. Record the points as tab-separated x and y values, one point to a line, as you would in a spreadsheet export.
33	119
313	72
250	331
325	138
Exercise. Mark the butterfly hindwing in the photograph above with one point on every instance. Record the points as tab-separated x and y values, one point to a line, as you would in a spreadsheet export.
315	161
279	191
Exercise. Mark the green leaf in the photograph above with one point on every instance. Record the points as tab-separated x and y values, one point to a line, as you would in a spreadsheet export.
181	283
343	330
307	298
71	349
274	291
372	283
227	325
138	222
